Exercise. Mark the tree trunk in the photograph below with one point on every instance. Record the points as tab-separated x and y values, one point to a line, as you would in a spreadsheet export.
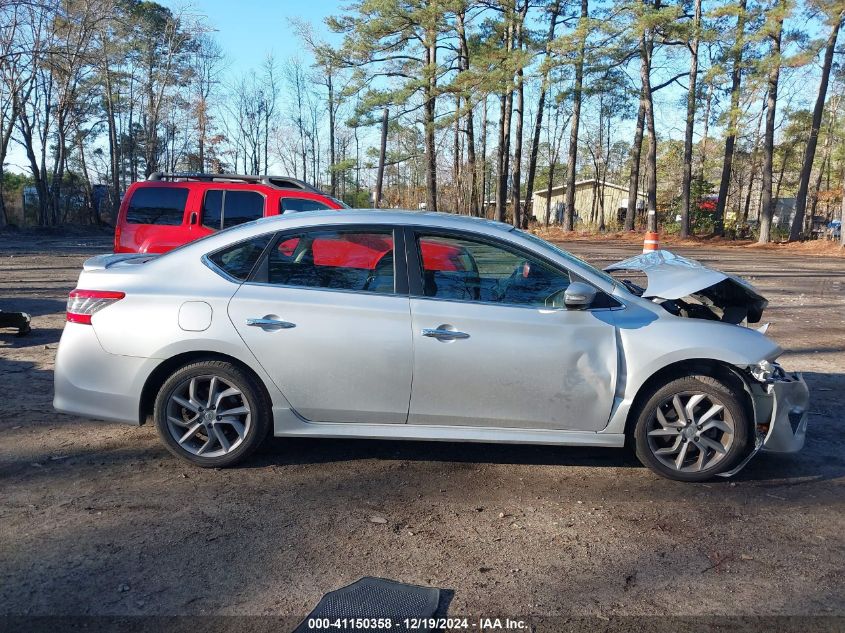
428	117
517	153
381	159
766	202
549	194
520	120
646	49
501	179
503	152
686	185
634	181
482	206
554	10
733	122
572	155
842	213
332	150
470	123
456	157
810	150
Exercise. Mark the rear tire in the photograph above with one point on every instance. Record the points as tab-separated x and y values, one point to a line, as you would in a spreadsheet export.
692	428
212	414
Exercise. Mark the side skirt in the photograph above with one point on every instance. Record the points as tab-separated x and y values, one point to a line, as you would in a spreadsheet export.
288	424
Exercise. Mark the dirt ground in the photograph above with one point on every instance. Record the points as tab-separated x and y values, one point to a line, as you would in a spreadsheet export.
97	519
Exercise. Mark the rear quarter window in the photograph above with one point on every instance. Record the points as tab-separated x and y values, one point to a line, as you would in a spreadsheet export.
157	205
239	259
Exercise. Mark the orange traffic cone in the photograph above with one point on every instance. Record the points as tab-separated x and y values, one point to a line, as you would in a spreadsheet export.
651	242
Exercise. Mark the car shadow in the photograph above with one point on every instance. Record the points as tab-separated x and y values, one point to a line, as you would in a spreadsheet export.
822	458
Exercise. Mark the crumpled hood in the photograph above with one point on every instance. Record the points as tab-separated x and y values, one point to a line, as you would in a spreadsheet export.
673	277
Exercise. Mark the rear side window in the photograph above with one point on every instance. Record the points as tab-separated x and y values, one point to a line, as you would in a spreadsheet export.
361	261
238	260
296	205
222	209
157	205
242	206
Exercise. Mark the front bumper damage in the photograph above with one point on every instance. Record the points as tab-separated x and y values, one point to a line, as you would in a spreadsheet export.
787	427
780	410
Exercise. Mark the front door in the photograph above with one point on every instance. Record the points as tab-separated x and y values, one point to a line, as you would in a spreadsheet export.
328	322
494	345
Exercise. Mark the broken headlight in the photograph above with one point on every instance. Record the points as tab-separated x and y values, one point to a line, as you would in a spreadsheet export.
767	371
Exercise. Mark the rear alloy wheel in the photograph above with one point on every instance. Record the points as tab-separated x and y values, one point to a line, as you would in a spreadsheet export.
692	429
212	414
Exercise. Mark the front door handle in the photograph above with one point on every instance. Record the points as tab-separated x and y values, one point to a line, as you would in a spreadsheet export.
444	334
270	323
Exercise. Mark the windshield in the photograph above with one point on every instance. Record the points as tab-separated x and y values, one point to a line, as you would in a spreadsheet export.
567	256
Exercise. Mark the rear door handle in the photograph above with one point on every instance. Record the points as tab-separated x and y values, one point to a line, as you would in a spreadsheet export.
270	323
440	333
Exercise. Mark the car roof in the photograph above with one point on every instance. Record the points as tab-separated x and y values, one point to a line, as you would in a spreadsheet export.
383	216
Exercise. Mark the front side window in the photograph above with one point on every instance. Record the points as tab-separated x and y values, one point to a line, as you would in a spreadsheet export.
157	205
222	209
296	205
462	269
360	261
239	259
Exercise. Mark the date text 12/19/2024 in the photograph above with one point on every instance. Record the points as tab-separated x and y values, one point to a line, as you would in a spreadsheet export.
417	624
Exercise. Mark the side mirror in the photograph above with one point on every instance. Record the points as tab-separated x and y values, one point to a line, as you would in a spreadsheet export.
579	296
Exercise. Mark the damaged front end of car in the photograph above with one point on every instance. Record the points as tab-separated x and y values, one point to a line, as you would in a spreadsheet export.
686	288
780	401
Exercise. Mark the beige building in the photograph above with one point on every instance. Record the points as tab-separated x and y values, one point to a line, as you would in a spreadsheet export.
591	198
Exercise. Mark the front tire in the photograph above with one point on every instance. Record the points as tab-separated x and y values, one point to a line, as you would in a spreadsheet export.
212	414
692	428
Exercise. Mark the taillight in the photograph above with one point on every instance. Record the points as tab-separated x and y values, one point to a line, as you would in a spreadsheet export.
83	304
117	233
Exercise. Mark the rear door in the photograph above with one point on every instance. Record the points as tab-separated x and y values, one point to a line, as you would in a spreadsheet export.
327	315
222	208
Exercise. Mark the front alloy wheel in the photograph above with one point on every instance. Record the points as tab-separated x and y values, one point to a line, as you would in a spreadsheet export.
691	432
692	428
212	413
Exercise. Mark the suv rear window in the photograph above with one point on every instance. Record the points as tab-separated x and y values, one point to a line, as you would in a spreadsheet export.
296	205
157	205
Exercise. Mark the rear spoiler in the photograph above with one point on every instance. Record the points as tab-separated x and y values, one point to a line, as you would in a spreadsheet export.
102	262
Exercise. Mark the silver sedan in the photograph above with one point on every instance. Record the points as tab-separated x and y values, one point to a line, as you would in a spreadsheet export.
423	326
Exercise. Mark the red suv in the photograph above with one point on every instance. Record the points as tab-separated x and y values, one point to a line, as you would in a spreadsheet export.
169	210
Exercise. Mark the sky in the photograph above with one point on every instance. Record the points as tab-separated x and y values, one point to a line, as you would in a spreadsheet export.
248	30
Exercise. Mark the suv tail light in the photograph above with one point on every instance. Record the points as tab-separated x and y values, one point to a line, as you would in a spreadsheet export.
83	304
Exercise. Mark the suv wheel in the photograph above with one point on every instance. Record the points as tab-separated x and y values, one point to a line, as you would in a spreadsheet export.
692	429
212	414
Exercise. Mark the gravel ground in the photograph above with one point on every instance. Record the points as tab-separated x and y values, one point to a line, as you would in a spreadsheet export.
97	519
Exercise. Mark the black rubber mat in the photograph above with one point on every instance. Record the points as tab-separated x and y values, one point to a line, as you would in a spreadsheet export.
373	599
